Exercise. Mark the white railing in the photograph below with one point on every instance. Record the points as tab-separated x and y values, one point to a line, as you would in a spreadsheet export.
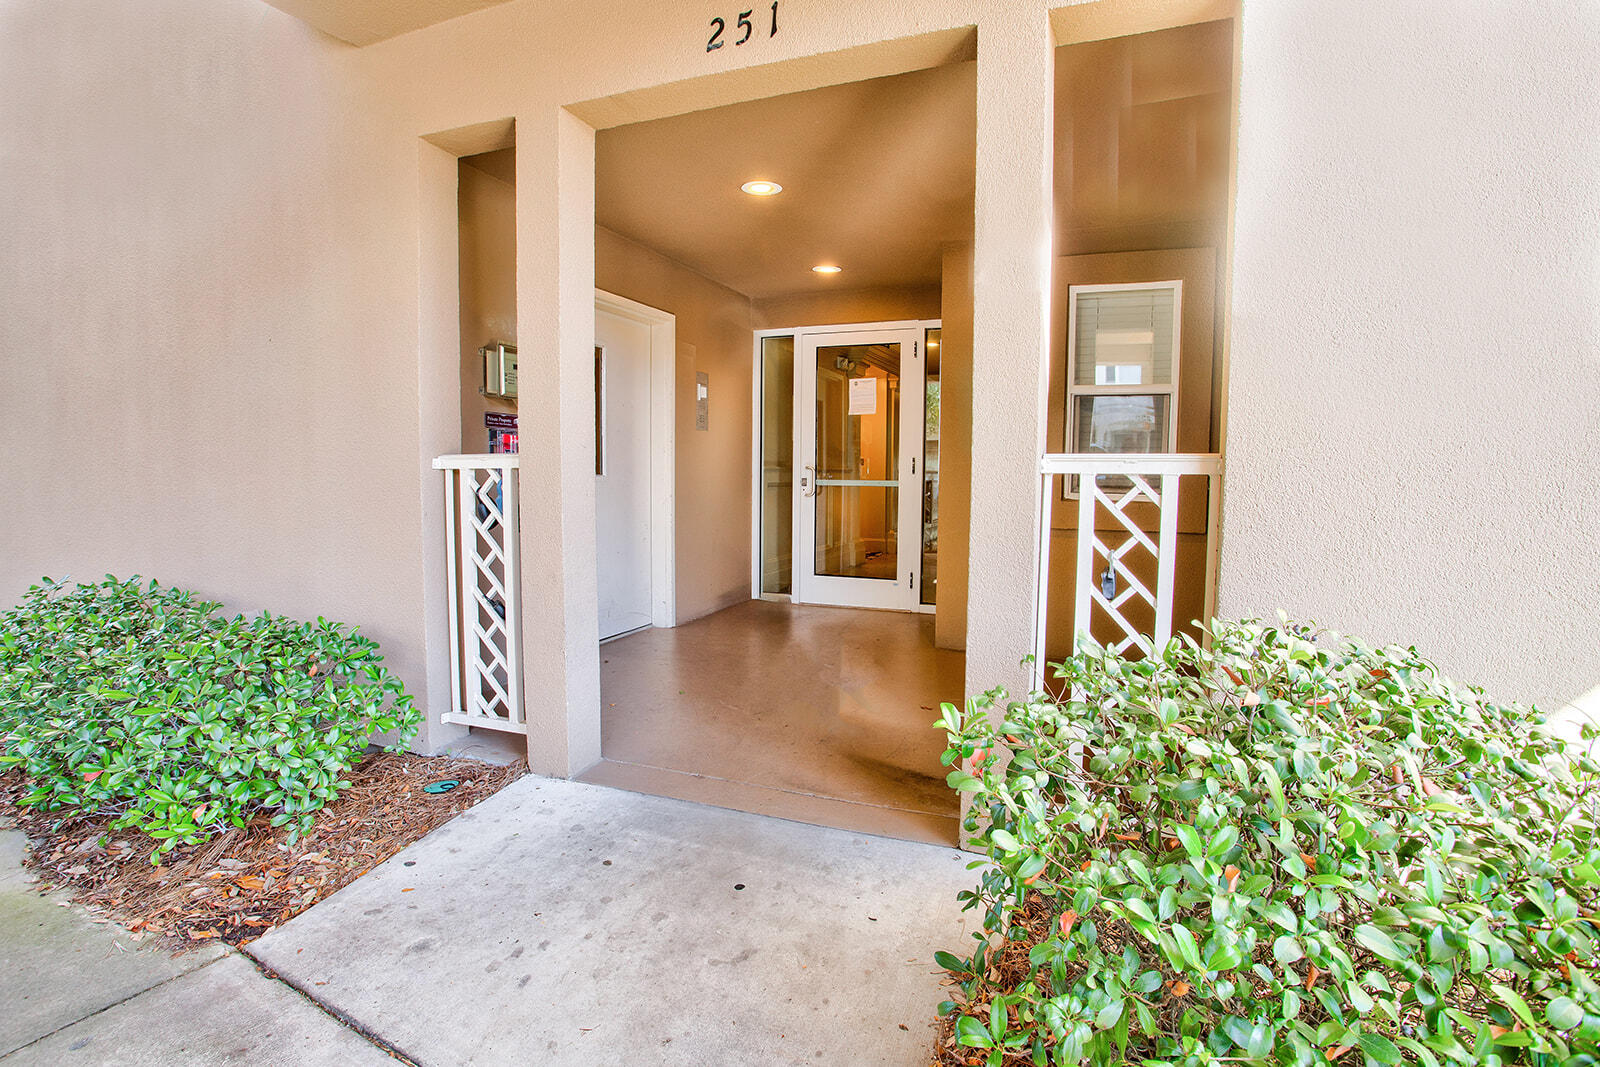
480	501
1107	486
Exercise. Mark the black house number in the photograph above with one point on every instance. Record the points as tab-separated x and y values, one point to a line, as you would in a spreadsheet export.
744	27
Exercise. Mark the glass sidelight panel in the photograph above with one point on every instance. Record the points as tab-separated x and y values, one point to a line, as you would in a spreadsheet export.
857	461
777	464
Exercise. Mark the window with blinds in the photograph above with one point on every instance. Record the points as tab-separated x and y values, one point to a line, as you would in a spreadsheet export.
1122	360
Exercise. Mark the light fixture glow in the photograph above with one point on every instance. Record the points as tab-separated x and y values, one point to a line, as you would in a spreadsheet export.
762	187
826	268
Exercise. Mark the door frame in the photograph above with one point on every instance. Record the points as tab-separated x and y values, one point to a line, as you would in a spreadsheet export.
792	597
663	327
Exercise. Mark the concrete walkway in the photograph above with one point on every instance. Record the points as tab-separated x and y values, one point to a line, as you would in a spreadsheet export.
556	923
76	991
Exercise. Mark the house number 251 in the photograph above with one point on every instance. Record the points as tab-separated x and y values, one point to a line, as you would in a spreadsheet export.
719	26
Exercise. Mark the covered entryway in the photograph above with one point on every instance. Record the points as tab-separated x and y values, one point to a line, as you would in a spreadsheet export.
819	714
810	248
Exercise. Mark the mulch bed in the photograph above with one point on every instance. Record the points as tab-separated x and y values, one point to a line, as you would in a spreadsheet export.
241	883
1009	968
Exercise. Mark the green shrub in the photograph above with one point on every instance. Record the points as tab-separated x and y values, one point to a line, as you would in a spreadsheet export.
1289	849
144	702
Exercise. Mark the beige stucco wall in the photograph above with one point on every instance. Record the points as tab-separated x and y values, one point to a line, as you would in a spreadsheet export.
712	491
221	283
208	330
1415	369
955	448
488	254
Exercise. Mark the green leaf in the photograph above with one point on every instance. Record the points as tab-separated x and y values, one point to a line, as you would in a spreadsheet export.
972	1033
1379	1048
1004	840
963	781
1286	950
1187	947
1513	1000
1564	1013
1378	943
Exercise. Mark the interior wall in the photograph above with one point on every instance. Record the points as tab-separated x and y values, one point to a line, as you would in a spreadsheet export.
487	208
713	465
831	307
955	448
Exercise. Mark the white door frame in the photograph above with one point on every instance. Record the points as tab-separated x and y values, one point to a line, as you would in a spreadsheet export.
801	335
663	434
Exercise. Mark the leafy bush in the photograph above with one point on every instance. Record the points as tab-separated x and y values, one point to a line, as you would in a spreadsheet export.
143	702
1287	849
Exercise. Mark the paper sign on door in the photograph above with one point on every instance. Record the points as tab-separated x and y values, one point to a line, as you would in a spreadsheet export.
863	396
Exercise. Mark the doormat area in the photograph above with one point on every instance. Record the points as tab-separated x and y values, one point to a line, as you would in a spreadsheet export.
242	883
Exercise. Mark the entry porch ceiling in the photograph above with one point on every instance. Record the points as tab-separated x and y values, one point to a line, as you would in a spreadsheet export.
877	176
361	22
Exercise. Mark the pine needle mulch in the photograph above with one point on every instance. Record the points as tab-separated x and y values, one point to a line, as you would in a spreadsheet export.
240	884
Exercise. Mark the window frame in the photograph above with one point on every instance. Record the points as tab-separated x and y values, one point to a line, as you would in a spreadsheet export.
1074	390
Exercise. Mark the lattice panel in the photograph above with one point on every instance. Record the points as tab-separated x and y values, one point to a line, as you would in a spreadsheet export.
484	583
1122	493
1131	543
488	646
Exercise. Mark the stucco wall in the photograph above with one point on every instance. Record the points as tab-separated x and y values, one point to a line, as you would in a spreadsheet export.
713	465
208	330
1414	392
487	240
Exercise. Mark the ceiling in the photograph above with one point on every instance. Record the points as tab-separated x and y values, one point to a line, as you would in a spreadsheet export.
876	176
361	22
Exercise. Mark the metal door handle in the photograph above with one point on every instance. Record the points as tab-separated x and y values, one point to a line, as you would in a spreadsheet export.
808	484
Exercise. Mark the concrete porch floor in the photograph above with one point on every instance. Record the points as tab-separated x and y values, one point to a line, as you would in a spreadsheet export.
821	715
565	923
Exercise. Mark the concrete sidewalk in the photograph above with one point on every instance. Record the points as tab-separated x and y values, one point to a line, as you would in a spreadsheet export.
555	923
77	991
564	923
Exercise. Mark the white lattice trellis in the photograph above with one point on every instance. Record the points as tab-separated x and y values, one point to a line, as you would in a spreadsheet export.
484	580
1112	541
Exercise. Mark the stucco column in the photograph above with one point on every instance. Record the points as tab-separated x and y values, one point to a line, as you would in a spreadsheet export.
555	328
1011	312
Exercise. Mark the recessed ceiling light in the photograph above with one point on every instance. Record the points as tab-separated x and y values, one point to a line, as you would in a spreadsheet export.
826	268
762	187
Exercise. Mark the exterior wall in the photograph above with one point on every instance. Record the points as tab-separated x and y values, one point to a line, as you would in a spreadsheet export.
208	327
221	294
1415	370
955	448
488	254
713	465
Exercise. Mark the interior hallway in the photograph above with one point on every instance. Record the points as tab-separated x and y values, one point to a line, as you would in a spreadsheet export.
822	715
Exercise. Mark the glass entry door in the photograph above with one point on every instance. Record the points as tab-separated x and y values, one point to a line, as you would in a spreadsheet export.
858	468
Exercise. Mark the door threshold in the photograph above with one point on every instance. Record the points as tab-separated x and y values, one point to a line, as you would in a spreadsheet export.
625	633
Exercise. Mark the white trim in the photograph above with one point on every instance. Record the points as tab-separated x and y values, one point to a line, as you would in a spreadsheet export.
663	447
472	461
1074	390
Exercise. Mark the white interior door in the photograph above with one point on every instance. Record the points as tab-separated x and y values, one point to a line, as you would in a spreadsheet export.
859	400
622	472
